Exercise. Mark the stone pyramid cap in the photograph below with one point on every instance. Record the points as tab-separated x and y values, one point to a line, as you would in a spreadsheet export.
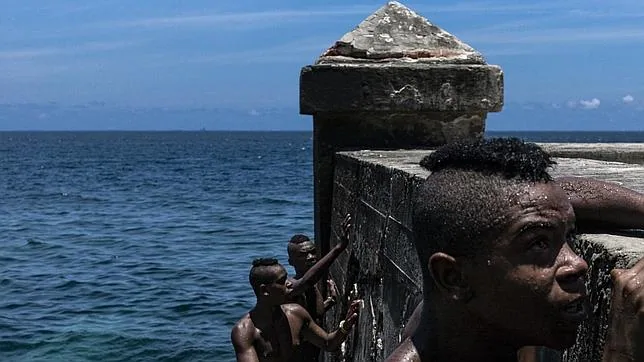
394	32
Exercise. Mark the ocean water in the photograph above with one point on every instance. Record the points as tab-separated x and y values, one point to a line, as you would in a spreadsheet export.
135	246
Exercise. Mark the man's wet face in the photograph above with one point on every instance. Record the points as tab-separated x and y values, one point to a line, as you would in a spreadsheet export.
303	255
277	289
530	287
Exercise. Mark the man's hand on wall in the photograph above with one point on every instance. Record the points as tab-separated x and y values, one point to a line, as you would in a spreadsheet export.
346	231
625	339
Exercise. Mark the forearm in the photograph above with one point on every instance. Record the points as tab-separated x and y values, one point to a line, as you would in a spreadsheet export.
335	339
604	204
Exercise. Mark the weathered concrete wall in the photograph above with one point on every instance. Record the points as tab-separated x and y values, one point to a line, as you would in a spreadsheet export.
382	261
377	187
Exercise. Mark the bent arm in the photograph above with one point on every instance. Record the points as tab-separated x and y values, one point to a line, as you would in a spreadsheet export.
242	340
412	322
601	205
317	271
323	340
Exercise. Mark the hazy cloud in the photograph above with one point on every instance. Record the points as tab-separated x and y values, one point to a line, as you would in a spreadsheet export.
628	98
303	50
257	17
30	53
251	18
554	35
591	104
496	7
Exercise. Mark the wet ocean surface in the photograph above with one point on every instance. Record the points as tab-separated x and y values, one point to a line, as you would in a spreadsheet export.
136	246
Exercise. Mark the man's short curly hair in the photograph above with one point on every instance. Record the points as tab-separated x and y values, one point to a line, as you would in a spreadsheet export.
263	271
299	239
462	204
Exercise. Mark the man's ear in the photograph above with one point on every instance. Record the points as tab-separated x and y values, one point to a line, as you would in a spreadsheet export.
449	277
263	290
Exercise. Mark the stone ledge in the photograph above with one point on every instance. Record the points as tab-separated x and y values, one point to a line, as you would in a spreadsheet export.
399	87
626	174
618	152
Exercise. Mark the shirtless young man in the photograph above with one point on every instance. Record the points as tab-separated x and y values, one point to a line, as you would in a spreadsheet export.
302	255
493	232
273	331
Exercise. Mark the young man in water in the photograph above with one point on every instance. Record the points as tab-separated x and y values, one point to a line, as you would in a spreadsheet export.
302	255
274	331
493	233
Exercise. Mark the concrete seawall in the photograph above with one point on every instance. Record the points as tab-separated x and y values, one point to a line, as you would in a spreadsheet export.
377	187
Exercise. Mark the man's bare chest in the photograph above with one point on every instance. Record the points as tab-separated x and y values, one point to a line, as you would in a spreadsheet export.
276	342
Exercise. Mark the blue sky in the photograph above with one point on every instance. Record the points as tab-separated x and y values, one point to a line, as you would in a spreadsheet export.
248	54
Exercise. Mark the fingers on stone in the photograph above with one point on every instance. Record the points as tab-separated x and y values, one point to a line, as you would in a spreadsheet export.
632	285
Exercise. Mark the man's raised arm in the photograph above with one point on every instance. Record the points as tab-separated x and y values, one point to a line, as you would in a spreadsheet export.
318	270
601	205
242	338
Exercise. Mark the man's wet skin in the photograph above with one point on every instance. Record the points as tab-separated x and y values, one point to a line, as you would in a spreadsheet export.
302	254
266	327
599	207
527	289
535	281
273	331
303	257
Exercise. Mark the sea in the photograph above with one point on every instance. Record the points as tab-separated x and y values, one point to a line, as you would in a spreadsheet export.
136	246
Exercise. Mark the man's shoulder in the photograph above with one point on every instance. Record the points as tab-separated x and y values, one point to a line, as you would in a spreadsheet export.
244	328
295	309
405	352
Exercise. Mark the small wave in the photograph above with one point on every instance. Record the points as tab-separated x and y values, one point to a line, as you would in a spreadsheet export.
68	284
134	228
277	201
8	259
20	229
34	243
112	259
7	346
182	308
91	198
